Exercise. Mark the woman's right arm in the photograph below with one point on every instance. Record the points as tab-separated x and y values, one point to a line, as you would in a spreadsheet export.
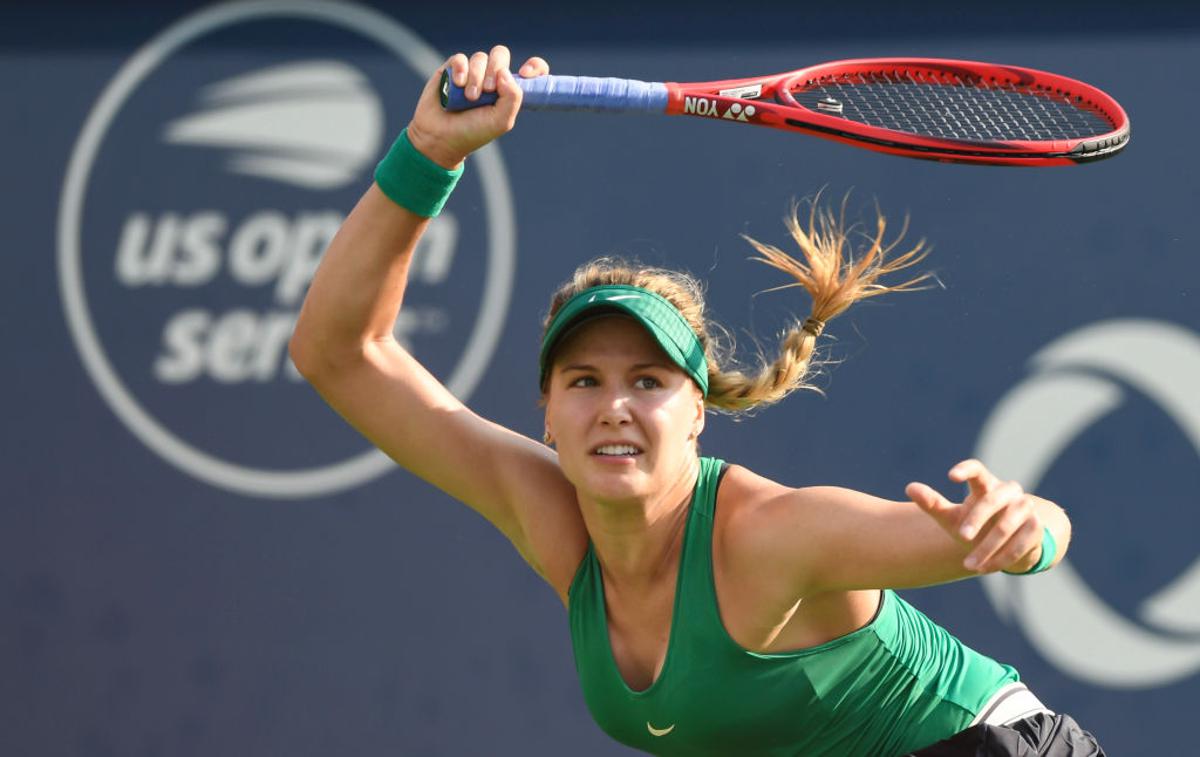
344	345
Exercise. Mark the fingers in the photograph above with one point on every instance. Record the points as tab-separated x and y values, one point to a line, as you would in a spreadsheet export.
498	60
1000	526
457	64
1015	534
448	137
945	512
475	70
509	102
978	478
927	498
533	67
483	71
1006	495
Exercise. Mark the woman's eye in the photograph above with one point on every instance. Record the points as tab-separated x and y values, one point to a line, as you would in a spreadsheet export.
584	381
648	382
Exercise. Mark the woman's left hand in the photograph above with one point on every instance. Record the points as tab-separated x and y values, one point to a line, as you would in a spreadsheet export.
997	520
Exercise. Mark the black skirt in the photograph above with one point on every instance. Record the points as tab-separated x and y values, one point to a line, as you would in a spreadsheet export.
1040	735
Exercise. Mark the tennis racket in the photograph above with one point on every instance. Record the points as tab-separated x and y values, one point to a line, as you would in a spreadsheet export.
947	110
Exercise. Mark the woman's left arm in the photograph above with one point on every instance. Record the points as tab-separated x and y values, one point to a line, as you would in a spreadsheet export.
855	541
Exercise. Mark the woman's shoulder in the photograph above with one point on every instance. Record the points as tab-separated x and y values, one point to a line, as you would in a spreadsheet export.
755	512
762	522
753	499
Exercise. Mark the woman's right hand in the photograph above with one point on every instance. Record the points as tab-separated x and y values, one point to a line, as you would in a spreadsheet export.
448	138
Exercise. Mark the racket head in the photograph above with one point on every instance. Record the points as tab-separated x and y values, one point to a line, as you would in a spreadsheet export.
931	108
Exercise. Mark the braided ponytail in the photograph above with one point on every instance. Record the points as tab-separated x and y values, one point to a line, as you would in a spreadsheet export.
835	277
830	270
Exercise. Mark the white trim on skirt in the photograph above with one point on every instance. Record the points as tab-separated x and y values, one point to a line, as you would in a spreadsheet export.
1010	704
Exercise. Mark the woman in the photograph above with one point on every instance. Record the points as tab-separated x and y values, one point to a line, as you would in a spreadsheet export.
712	611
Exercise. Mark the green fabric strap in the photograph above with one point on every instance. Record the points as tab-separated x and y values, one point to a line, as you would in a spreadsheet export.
1049	551
413	181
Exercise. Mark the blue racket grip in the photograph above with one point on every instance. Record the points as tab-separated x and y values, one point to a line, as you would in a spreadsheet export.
569	93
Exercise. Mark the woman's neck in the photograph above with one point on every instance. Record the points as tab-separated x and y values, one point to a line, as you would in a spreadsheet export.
638	542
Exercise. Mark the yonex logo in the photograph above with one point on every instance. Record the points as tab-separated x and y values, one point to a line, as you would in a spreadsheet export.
1078	381
737	113
198	201
703	106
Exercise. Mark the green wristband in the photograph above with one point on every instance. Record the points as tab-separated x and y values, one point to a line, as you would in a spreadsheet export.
413	181
1049	551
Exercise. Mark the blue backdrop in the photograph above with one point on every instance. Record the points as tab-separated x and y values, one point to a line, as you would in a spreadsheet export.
198	558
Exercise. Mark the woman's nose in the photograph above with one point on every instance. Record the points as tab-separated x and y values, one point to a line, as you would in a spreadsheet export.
616	408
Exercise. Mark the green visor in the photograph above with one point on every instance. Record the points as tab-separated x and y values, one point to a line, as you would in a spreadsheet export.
656	314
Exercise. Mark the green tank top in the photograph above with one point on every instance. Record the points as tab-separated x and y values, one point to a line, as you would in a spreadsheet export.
898	684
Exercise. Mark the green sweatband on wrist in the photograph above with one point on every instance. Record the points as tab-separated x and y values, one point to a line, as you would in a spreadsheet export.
1049	551
413	181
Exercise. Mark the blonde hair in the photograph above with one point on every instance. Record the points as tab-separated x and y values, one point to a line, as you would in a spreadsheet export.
834	274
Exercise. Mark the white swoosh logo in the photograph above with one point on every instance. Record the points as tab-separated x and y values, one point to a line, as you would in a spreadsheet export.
313	124
659	731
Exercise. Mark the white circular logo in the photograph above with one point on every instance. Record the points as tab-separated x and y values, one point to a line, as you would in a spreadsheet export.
262	143
1074	385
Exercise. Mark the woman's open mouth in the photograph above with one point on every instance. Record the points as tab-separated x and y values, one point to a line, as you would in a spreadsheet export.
616	451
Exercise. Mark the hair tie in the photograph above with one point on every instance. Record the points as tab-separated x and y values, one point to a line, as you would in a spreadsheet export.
813	326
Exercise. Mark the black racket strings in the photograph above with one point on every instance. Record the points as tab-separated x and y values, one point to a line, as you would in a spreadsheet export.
968	110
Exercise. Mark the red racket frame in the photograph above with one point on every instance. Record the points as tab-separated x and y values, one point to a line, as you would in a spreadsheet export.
776	107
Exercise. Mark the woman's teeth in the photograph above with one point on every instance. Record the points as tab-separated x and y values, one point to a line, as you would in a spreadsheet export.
617	450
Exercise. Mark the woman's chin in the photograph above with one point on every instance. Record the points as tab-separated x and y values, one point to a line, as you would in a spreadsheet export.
610	480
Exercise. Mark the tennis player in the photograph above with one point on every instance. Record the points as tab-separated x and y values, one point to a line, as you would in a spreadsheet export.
712	611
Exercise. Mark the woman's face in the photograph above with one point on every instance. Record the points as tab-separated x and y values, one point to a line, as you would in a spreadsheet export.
623	417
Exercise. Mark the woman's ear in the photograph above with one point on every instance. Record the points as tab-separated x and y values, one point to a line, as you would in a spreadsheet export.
698	425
